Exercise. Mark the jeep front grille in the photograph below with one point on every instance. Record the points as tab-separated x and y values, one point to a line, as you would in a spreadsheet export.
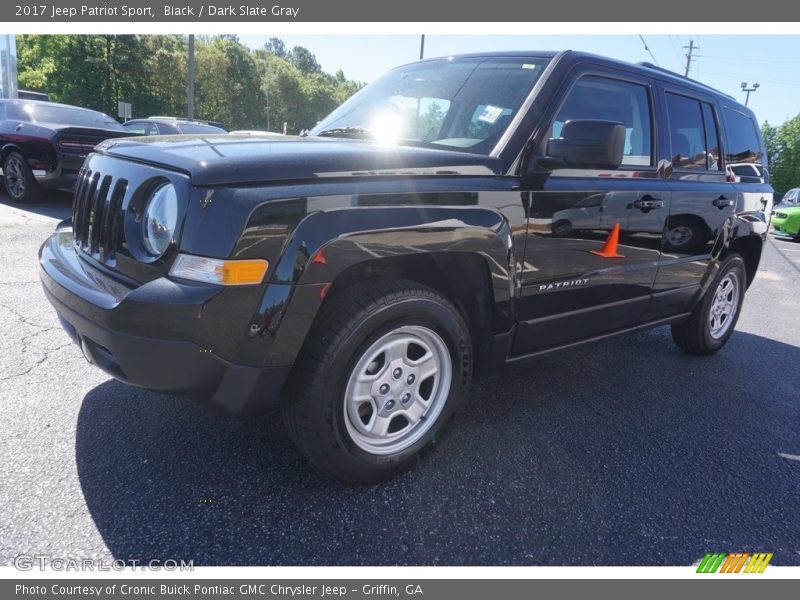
97	214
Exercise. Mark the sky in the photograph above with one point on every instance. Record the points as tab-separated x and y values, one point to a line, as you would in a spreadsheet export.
721	61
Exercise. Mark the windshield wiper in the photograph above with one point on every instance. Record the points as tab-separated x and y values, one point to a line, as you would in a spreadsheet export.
346	132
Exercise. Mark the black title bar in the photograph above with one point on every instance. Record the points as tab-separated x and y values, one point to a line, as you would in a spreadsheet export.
149	11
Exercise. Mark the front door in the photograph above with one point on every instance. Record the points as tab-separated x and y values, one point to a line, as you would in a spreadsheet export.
594	236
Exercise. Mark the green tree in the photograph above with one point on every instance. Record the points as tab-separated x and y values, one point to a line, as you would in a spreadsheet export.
244	89
783	151
305	61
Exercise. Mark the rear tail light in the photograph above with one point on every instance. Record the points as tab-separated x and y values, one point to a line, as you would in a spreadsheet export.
77	146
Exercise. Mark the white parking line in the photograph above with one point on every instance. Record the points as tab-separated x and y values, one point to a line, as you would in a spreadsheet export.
789	456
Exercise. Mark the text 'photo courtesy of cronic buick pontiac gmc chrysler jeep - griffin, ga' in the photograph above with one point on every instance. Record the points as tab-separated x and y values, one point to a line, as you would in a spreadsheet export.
455	215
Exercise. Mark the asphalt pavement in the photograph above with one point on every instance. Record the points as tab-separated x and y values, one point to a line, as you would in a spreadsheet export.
624	452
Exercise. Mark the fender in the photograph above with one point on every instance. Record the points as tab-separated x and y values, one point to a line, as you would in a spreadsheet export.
739	228
326	243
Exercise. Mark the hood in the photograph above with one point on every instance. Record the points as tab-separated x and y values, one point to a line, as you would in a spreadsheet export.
230	159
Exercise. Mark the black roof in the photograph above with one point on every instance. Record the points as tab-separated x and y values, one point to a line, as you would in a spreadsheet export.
577	56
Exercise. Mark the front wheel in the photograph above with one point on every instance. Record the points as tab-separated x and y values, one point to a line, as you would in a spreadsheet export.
714	318
385	370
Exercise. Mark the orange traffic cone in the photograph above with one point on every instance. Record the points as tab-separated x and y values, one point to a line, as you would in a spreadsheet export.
609	249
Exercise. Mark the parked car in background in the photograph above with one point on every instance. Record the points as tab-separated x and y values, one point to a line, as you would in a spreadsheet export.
43	144
786	215
172	126
746	172
789	199
255	132
29	95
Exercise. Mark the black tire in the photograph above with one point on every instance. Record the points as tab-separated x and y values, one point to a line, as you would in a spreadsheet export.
696	336
684	234
562	228
353	322
21	186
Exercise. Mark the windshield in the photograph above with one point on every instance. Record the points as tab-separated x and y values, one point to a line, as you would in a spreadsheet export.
65	115
460	104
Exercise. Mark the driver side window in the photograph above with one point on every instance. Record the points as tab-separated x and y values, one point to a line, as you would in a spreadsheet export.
602	98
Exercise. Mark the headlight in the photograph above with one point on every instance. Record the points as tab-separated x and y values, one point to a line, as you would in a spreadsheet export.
160	219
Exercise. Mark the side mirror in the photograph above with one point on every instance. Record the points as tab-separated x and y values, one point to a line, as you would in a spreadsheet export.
588	144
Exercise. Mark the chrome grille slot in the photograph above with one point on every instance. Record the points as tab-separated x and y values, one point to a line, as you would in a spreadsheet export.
80	192
112	221
97	214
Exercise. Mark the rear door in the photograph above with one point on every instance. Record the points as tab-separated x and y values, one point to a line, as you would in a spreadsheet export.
594	235
703	199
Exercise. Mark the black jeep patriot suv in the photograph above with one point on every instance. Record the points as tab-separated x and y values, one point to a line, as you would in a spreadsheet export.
455	215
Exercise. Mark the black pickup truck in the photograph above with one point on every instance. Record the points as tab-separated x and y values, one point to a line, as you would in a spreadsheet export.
453	216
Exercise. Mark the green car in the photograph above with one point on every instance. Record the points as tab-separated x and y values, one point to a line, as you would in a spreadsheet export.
786	215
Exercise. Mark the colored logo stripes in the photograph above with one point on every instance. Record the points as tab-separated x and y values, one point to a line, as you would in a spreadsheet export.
734	562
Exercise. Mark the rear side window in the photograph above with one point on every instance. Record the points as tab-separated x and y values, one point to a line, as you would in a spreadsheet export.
606	99
692	134
743	141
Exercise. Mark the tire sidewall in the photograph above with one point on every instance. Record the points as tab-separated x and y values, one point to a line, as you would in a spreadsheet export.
412	311
30	180
735	264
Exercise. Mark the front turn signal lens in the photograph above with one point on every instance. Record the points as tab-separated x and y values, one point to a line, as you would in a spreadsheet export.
221	272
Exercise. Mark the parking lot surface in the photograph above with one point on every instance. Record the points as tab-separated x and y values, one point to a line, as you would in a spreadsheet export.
624	452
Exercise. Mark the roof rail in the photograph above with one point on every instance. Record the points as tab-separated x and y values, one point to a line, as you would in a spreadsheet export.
679	76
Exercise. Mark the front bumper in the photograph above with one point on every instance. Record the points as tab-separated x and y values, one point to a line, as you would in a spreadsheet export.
783	228
107	318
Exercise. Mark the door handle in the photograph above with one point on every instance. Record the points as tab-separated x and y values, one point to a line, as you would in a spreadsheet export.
647	202
722	202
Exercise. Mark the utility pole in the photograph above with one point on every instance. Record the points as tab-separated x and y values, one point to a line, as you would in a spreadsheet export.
691	47
190	85
748	90
422	46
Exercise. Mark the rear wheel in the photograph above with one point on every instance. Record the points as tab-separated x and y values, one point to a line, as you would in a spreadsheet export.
20	184
387	366
714	318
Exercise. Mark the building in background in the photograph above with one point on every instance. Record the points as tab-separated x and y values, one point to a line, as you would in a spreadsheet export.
8	66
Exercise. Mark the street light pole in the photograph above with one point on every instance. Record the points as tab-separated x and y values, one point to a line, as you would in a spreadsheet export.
748	90
190	78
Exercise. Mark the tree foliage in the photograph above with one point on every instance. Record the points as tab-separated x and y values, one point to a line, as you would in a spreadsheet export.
783	150
240	87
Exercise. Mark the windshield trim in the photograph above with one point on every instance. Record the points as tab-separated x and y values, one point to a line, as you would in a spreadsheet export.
525	107
523	111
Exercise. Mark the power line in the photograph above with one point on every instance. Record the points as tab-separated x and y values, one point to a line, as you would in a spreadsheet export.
675	48
648	50
729	76
758	60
